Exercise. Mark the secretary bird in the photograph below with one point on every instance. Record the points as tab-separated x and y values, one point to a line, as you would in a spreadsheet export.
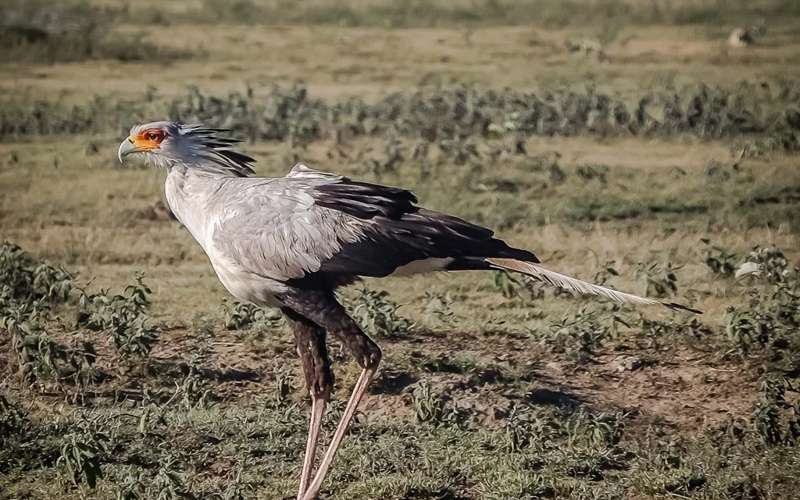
291	241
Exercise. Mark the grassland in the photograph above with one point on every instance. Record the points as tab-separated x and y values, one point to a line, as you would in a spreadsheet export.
623	141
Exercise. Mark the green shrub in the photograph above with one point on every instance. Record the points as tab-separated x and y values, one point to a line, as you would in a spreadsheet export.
428	405
25	280
81	454
776	418
243	316
662	281
13	420
720	261
377	314
123	317
771	320
580	334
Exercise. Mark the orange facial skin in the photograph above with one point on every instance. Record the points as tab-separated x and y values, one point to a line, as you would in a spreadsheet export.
148	140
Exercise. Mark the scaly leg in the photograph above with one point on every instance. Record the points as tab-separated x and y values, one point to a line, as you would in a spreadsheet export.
310	341
368	356
358	392
321	308
317	411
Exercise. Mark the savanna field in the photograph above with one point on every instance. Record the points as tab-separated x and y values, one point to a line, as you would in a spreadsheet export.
626	142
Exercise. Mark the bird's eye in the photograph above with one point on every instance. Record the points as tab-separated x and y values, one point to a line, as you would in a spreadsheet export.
154	135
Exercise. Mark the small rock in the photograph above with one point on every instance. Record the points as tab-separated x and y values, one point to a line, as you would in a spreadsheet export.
629	363
747	269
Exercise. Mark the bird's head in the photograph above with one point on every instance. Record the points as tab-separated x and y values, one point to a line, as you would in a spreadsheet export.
172	144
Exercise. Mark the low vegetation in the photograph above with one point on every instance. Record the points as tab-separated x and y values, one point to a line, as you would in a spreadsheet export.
451	118
223	446
41	31
439	13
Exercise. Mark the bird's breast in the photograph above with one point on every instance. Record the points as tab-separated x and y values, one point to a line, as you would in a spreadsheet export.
188	199
244	285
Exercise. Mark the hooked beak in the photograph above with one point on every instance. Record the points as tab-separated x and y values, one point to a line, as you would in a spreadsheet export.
127	147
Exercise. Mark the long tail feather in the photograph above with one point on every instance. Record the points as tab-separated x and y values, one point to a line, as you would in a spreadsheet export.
575	285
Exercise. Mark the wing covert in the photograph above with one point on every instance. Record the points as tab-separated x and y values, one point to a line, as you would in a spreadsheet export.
312	222
276	230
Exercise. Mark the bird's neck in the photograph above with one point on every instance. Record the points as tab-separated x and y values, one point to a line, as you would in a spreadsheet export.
195	182
201	168
188	193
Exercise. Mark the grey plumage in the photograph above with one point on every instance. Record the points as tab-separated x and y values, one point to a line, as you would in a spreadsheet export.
291	241
203	147
313	228
577	286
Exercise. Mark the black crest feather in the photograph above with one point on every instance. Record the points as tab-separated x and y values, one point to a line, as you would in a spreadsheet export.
212	145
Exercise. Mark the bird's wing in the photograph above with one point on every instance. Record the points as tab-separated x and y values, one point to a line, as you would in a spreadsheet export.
314	222
274	229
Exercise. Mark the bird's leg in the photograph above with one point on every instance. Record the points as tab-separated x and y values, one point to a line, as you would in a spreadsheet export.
310	341
319	307
368	356
314	425
355	398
